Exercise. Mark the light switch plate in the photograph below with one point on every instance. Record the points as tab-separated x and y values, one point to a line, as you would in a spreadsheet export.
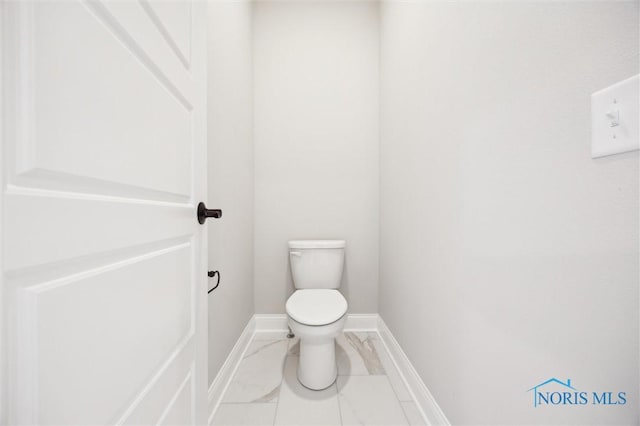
615	116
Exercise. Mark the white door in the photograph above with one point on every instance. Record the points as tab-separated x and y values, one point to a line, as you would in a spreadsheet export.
103	164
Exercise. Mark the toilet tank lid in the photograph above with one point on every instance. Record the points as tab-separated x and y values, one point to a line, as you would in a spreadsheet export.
315	244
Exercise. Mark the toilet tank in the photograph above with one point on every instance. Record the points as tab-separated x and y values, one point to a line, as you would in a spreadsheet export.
316	263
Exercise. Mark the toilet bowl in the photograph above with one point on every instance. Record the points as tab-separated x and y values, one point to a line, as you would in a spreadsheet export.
316	311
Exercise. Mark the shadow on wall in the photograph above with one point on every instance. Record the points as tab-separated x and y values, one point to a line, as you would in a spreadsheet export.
290	287
606	161
344	287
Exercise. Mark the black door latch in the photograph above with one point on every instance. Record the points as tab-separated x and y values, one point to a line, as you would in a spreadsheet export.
204	213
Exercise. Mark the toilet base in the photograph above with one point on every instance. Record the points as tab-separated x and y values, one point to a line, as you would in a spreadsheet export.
317	367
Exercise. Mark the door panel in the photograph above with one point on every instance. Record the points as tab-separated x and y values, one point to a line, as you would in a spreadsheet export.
163	388
173	20
113	327
180	406
35	237
120	99
103	273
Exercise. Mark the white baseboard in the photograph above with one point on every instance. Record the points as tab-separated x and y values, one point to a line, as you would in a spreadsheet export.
277	323
228	369
419	391
361	322
271	322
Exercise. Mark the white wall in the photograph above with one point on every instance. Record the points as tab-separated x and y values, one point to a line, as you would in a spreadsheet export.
508	255
316	141
230	157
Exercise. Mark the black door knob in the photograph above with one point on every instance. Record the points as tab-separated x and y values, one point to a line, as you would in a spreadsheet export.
204	213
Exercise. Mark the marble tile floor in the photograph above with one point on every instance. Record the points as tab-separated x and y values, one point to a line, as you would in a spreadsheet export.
266	391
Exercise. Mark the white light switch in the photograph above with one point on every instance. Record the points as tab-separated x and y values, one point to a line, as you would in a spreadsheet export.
615	116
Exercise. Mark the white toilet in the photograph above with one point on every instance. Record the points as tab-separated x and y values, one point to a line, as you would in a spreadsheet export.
316	310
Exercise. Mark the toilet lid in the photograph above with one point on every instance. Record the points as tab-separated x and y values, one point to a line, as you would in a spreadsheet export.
316	306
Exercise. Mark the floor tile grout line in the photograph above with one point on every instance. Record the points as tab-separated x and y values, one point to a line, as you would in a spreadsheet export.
265	343
249	403
395	392
284	364
374	334
225	388
400	402
359	375
405	412
387	373
412	400
338	400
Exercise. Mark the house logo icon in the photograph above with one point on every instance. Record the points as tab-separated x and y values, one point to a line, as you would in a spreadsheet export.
556	392
538	396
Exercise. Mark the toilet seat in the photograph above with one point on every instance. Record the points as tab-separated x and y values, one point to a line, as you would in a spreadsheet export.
316	306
